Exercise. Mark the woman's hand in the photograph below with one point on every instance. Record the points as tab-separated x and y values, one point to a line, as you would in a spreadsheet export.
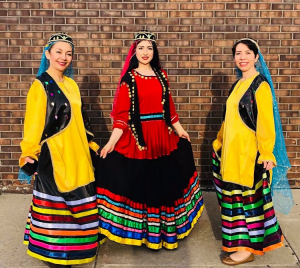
268	165
30	161
180	131
184	134
108	148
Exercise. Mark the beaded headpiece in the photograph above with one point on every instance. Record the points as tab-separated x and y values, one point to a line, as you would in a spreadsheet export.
249	39
144	35
54	38
60	37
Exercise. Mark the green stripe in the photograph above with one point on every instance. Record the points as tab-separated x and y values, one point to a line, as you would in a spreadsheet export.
235	237
266	191
64	240
272	230
231	206
215	163
257	239
255	205
137	225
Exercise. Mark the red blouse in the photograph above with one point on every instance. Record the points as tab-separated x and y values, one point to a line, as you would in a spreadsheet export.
155	132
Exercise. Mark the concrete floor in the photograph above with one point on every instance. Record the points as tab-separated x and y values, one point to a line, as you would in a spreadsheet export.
202	248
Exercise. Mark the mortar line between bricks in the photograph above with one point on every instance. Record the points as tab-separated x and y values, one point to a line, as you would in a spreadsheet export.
298	259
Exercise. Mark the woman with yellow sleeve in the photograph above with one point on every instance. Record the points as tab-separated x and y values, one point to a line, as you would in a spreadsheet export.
248	146
62	226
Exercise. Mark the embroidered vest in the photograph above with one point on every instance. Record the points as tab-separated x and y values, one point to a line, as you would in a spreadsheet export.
58	112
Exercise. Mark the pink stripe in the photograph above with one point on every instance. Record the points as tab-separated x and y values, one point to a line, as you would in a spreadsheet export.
255	225
62	248
237	223
120	226
179	226
27	231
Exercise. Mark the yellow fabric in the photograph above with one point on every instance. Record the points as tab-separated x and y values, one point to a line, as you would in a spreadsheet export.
240	143
217	144
69	148
34	122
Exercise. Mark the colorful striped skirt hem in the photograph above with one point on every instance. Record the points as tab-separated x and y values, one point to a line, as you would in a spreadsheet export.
149	202
62	228
249	222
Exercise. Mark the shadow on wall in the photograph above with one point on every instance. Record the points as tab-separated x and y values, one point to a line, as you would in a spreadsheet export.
91	94
220	86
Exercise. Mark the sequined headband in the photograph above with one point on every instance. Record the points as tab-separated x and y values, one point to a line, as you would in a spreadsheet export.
250	40
60	37
145	35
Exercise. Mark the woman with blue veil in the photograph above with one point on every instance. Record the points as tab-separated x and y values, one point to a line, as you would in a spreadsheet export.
57	147
250	161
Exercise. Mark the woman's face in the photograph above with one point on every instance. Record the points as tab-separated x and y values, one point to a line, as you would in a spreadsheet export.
144	52
244	58
60	56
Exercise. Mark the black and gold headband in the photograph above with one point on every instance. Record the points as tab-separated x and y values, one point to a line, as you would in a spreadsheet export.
60	37
144	35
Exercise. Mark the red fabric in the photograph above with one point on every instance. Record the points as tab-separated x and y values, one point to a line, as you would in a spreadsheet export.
156	134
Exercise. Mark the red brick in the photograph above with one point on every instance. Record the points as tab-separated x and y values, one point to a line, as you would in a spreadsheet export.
194	40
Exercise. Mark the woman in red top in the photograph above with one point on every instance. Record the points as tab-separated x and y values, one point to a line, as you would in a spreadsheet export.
147	185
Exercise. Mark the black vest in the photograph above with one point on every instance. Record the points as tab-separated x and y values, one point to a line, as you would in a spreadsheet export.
134	113
58	113
247	104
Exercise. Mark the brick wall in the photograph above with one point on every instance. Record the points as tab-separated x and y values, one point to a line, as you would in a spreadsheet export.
195	40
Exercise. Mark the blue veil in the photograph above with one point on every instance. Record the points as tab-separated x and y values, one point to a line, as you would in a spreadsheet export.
280	189
44	65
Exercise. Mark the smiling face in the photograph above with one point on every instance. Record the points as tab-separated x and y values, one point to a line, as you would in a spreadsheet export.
60	56
245	58
144	52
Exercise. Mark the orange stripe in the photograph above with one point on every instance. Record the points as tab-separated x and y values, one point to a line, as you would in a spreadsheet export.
279	245
257	252
63	233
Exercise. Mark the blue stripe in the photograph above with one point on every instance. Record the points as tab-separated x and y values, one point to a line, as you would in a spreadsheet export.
151	116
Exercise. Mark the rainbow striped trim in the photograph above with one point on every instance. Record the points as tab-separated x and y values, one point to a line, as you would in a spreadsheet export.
60	231
127	222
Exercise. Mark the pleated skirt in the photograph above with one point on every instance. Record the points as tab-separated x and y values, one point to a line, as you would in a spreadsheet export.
248	217
62	228
149	201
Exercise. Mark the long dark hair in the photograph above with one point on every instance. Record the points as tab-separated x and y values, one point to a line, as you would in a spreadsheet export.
155	63
248	43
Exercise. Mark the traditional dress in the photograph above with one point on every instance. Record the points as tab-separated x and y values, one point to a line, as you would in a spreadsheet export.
148	189
247	138
62	225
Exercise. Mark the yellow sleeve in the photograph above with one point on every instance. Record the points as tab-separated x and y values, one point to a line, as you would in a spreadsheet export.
34	124
265	128
217	144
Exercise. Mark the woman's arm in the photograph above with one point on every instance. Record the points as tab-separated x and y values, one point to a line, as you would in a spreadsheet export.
34	123
265	128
